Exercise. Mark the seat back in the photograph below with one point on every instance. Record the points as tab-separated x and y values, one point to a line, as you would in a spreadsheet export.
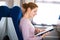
16	14
2	27
4	12
11	29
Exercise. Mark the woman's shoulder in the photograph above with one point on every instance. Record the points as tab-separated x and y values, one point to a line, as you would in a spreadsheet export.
24	20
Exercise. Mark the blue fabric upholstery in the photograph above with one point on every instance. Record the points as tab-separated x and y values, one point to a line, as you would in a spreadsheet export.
16	15
4	11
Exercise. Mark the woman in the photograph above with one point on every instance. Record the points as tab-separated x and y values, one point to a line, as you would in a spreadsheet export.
28	30
24	7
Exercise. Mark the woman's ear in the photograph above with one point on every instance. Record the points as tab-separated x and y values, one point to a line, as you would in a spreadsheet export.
29	9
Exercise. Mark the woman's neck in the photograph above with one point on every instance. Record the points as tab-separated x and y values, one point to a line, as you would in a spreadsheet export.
26	16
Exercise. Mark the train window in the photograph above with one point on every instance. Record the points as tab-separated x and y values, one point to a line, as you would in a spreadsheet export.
53	0
48	0
3	3
47	13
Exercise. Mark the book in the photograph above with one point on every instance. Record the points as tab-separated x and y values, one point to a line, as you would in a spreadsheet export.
49	29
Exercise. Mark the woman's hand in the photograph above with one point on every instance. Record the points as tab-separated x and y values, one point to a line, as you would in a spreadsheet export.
44	35
37	30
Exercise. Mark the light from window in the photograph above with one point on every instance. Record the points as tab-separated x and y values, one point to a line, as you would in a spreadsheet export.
3	3
47	0
53	0
47	13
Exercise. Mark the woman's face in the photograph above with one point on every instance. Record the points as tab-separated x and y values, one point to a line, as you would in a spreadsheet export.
33	12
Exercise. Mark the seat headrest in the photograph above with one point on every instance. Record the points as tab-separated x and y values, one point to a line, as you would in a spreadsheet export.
16	13
4	11
15	9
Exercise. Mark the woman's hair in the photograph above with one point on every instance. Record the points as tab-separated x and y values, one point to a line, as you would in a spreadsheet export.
24	5
29	5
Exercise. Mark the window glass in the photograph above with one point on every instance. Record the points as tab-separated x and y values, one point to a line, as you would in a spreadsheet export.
48	13
3	3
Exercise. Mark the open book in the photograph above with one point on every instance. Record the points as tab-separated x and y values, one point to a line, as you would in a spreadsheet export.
46	30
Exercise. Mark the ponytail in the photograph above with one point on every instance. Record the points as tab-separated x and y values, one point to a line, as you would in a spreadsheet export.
29	5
